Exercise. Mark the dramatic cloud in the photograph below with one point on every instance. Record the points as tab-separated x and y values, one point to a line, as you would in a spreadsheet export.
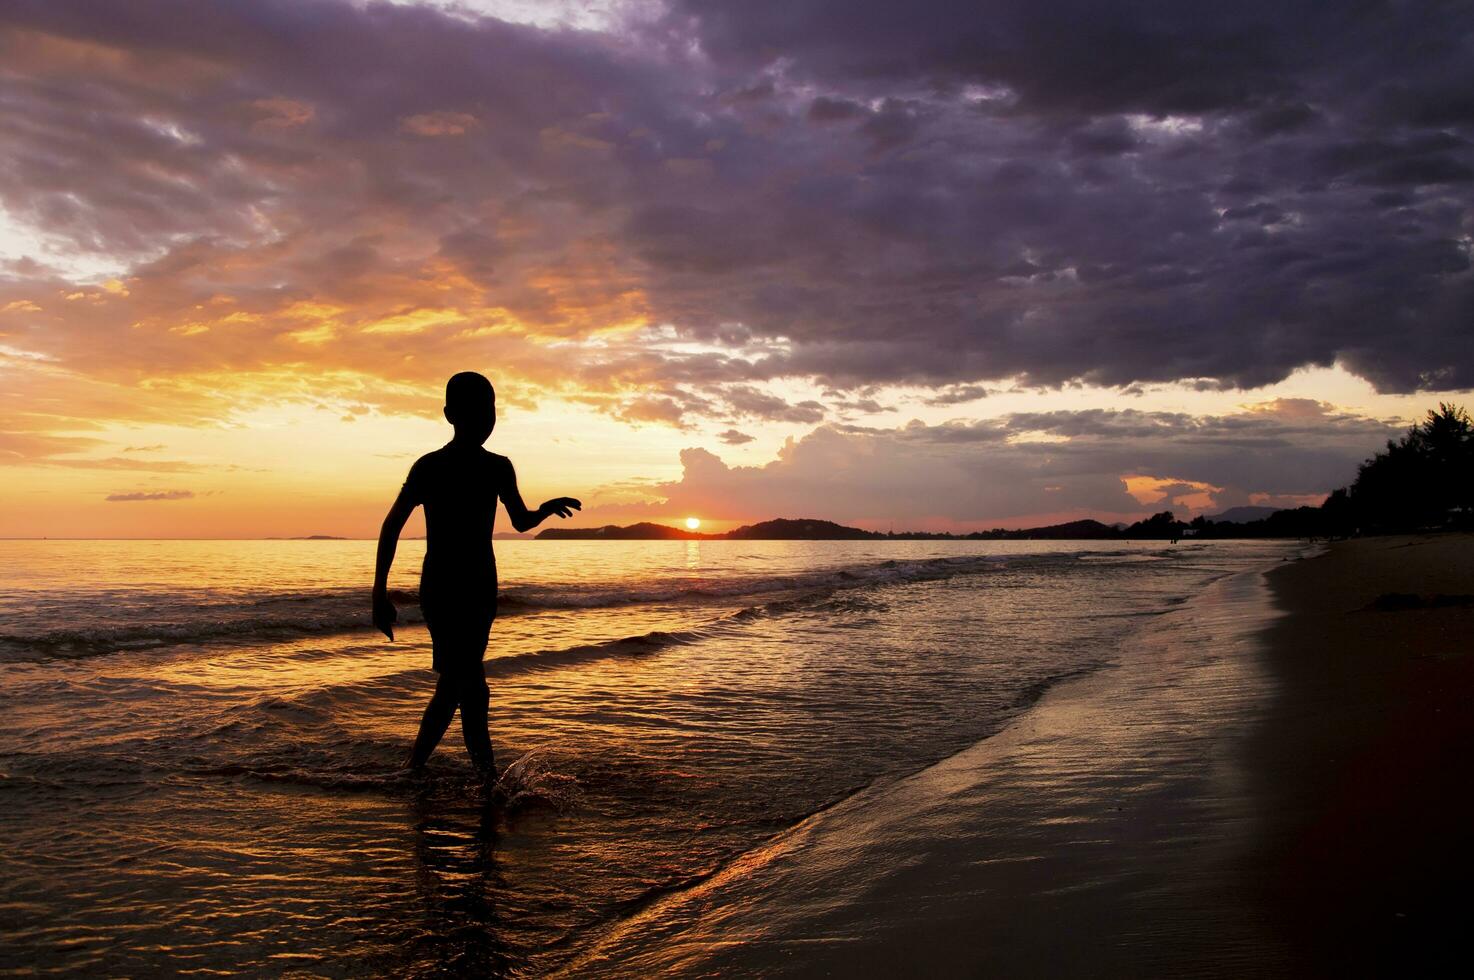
924	194
1028	468
957	395
747	401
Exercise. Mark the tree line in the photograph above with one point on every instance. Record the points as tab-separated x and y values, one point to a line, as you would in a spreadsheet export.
1423	481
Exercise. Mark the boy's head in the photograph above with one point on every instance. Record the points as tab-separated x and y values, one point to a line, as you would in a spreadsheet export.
470	405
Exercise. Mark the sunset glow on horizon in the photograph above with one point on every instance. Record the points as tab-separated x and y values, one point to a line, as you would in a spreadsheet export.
763	272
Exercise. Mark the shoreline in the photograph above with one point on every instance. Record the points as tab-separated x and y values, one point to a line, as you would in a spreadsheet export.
1020	855
1192	810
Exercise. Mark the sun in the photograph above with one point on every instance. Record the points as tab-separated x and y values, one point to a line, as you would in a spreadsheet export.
692	523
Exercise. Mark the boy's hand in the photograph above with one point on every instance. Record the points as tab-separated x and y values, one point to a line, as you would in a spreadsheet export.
385	615
562	506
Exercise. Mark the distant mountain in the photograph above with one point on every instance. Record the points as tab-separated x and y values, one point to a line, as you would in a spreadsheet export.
1073	531
1243	515
779	530
1238	522
644	531
312	537
1086	530
800	530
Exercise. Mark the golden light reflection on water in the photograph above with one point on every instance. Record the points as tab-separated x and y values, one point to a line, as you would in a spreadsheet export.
686	701
1109	807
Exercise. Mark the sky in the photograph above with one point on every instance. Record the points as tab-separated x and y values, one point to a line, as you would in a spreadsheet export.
927	265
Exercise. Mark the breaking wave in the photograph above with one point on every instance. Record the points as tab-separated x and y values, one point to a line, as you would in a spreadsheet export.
210	617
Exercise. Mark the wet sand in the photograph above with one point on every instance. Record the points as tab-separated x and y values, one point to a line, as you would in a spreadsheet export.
1273	783
1366	762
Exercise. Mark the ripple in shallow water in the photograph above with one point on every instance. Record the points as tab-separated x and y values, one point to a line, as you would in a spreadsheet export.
240	806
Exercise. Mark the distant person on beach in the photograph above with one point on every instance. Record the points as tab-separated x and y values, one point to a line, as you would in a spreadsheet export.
459	485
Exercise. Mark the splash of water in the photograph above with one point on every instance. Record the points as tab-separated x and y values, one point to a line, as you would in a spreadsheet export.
534	781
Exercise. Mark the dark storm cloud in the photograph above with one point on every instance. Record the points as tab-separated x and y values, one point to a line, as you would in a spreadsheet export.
1136	270
1084	57
825	109
857	193
958	395
747	401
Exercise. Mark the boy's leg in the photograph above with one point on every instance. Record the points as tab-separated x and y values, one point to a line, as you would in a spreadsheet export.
474	698
438	712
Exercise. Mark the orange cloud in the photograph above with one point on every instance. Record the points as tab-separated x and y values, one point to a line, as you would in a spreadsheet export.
1195	495
1293	408
439	124
279	113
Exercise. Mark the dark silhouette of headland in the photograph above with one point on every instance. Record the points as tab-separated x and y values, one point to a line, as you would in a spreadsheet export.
777	530
813	529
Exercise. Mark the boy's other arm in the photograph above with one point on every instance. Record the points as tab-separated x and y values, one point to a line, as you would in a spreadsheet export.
385	615
524	519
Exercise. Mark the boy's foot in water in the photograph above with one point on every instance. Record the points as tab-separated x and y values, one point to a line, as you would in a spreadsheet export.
410	768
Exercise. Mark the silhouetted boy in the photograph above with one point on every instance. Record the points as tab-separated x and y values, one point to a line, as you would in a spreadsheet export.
458	485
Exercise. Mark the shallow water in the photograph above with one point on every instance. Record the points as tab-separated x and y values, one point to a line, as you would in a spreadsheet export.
1102	833
199	743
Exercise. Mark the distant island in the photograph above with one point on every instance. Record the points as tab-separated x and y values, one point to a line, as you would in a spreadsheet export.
813	529
777	530
1421	482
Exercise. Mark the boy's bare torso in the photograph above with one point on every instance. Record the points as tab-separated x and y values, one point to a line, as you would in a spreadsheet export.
459	487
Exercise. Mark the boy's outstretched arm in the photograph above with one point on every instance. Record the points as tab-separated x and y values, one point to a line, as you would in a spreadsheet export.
385	615
524	519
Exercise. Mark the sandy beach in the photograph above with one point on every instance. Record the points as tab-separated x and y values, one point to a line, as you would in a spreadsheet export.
1274	786
1362	765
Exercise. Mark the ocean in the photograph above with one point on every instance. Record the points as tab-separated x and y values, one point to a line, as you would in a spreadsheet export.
200	741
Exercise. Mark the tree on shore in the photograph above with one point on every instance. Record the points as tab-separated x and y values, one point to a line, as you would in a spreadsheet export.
1161	525
1425	479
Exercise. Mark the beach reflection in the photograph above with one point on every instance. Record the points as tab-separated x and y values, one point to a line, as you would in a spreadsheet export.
457	880
1094	837
228	800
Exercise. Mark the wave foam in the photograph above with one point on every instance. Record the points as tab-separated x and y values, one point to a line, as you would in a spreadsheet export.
202	618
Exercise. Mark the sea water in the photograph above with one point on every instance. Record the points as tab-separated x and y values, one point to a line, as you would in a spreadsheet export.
200	742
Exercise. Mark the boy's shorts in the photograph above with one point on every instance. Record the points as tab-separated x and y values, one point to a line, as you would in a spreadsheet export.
458	631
